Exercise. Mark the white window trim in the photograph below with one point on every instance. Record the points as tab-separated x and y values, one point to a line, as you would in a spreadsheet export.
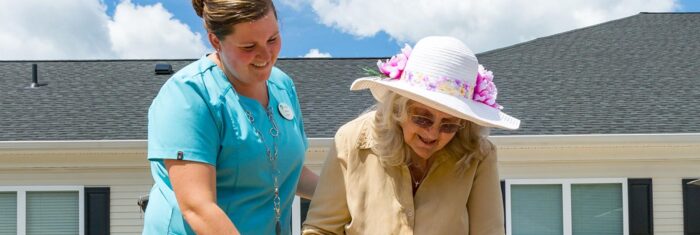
566	198
296	216
22	203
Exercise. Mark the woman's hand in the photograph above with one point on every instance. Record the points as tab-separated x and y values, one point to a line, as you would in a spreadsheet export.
194	184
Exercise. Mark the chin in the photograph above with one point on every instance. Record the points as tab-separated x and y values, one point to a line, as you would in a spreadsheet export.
258	77
262	76
423	154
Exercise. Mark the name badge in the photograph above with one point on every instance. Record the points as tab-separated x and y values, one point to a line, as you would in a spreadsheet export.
286	111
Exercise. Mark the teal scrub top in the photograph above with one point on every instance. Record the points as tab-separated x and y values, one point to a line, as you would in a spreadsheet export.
198	116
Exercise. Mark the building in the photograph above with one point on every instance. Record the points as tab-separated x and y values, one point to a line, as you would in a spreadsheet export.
610	131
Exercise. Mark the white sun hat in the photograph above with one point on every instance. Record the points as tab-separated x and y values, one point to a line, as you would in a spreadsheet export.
442	73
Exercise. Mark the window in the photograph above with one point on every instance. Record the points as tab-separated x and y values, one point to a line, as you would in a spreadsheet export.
27	210
8	213
566	206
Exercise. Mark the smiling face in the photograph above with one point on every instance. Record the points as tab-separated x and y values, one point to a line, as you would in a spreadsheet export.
427	130
250	51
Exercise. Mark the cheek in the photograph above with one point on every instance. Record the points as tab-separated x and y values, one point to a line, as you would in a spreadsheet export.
239	58
275	49
445	139
407	135
407	132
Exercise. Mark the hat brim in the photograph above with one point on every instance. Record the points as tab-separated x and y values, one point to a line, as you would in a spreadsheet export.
463	108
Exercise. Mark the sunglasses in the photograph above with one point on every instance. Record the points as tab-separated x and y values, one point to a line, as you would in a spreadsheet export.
426	122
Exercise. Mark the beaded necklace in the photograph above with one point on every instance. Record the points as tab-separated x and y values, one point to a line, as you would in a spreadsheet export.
271	153
272	157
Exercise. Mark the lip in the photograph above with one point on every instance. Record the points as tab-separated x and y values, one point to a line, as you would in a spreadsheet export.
426	144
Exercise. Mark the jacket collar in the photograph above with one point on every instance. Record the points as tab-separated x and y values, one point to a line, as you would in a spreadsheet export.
365	139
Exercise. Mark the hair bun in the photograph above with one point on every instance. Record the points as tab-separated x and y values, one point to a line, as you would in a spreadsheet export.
198	6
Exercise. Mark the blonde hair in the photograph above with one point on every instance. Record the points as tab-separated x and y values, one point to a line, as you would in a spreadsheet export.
220	15
469	144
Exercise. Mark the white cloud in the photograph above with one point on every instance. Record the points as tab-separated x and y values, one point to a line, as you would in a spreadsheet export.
81	29
67	29
483	25
150	31
315	53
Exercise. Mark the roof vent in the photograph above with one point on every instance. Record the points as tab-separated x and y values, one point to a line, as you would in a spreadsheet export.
164	69
35	77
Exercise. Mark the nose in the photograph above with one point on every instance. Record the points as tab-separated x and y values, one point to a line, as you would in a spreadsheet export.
264	53
432	132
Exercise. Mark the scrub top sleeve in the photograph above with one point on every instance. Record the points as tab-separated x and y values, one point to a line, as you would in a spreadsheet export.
181	124
297	109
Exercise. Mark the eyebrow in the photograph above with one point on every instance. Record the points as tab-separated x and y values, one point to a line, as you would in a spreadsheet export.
245	44
421	111
427	113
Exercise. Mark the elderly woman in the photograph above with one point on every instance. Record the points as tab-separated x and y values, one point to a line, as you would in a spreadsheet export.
226	140
421	163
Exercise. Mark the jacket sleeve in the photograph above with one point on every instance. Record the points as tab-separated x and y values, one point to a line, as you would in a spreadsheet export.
485	204
328	212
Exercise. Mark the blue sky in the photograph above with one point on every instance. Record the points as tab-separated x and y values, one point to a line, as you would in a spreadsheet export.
146	29
301	31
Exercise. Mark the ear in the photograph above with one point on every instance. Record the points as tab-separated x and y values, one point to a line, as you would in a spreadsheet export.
214	41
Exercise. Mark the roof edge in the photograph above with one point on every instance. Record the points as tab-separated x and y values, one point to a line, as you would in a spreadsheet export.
556	34
510	140
671	139
174	60
97	60
670	13
72	144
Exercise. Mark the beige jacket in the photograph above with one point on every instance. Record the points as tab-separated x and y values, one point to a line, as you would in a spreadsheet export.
358	195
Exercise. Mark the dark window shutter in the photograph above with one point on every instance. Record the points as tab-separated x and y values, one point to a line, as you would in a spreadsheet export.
97	210
503	197
304	207
641	219
691	208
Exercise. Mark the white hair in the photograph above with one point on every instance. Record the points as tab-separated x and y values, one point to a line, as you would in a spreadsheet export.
468	144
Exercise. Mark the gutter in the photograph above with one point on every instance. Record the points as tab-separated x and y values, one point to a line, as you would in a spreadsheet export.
315	143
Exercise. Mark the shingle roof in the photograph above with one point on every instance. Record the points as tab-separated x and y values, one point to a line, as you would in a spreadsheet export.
639	74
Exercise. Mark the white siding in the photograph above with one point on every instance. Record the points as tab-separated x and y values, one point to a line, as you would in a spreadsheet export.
665	160
122	166
668	203
126	185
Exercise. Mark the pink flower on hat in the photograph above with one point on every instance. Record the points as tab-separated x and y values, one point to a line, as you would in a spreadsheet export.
393	68
485	90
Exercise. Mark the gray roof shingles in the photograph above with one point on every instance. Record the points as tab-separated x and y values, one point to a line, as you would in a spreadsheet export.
638	74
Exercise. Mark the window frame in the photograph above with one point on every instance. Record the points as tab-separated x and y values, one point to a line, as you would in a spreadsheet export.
22	203
566	198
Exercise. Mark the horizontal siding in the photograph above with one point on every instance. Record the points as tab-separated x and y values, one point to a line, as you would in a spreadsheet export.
672	229
666	177
126	186
128	176
667	208
130	222
669	196
125	216
125	230
668	204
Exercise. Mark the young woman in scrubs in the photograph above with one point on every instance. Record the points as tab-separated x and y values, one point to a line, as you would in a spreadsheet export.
226	141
